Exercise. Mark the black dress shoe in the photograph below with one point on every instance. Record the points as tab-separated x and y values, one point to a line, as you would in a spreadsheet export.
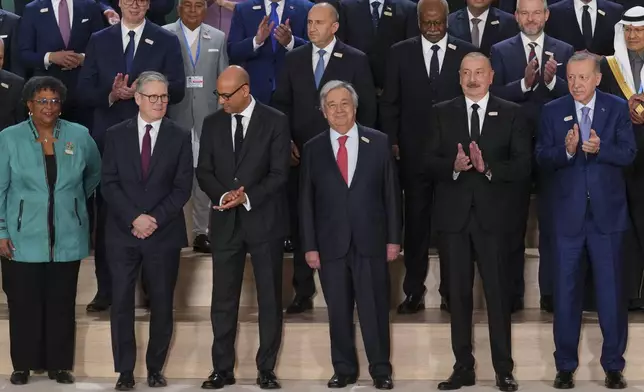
156	380
266	379
289	247
300	305
517	305
564	380
383	382
218	380
19	377
61	376
201	244
98	304
459	378
546	303
615	380
125	382
412	304
506	383
341	381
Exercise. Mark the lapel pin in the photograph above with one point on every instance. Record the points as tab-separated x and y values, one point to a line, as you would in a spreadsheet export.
568	118
494	22
364	139
603	109
69	148
43	10
549	53
84	20
149	41
338	55
451	46
291	7
257	7
4	85
388	8
600	12
493	114
387	13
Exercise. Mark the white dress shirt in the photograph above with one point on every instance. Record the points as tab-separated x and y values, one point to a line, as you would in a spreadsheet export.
191	35
138	32
280	12
327	56
54	5
154	132
380	7
481	112
591	112
481	25
538	50
246	115
428	53
592	10
351	144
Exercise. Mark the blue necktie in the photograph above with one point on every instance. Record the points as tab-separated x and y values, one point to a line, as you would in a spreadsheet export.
276	21
129	53
584	127
375	15
319	68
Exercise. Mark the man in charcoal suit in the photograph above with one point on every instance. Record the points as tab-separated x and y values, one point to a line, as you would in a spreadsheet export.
9	33
12	110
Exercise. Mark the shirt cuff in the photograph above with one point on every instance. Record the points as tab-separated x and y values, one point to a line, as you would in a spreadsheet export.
552	83
47	62
256	45
569	156
221	199
291	44
489	176
247	203
455	175
523	86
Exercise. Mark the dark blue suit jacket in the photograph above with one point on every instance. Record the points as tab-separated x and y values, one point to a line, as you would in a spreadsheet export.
9	24
263	65
499	26
158	50
509	61
562	24
39	34
599	176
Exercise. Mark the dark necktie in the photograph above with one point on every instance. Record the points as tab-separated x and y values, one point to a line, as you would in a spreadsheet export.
239	136
475	127
375	15
129	53
531	56
146	151
273	18
586	27
63	22
434	71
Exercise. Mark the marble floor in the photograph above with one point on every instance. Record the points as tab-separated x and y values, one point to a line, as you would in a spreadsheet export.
41	384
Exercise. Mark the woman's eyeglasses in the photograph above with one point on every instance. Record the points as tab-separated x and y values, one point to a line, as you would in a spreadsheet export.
45	101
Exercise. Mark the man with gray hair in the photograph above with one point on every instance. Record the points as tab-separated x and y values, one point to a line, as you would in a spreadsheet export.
350	227
146	181
11	111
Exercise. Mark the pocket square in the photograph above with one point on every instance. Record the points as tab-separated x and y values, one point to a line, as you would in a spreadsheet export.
568	118
84	20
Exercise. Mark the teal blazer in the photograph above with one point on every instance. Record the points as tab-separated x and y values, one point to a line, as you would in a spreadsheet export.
24	192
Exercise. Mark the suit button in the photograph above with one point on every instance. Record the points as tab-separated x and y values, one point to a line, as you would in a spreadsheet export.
235	180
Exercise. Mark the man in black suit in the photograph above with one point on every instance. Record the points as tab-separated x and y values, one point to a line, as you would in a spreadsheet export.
585	24
351	223
9	33
147	179
479	147
243	167
372	26
306	69
12	110
481	24
421	72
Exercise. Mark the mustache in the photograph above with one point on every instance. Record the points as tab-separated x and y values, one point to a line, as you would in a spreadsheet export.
473	85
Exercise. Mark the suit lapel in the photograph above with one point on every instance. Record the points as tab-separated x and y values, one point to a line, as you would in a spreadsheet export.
76	21
164	139
549	46
330	156
254	127
144	49
519	52
133	147
419	59
601	23
570	15
49	20
460	124
490	123
600	115
463	25
288	12
225	142
451	61
385	23
361	163
335	66
491	30
117	50
257	14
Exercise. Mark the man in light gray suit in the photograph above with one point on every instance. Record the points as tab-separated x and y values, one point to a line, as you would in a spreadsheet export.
204	58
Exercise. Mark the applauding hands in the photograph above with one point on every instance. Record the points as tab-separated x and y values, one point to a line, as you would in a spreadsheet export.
465	163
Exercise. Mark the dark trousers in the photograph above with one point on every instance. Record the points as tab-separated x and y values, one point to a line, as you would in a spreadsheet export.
604	254
160	269
101	267
228	273
365	282
303	280
42	320
634	254
491	255
516	244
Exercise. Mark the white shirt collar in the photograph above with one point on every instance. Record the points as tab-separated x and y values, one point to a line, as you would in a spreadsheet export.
353	133
267	5
527	40
482	102
579	5
591	104
482	17
137	30
328	49
373	1
141	124
188	31
248	112
427	45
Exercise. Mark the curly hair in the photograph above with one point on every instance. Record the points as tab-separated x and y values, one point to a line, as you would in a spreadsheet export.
40	83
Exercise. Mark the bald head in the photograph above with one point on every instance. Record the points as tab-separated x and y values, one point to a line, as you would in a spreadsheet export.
235	74
322	24
327	7
233	89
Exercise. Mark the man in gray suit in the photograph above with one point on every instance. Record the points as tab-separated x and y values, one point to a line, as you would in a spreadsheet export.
204	58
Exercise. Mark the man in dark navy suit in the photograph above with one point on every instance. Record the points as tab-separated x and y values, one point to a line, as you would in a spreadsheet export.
115	58
528	70
350	223
584	143
12	110
262	32
157	13
481	24
9	23
585	24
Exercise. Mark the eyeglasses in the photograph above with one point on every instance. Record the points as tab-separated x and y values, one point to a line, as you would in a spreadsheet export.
226	96
154	98
140	3
45	101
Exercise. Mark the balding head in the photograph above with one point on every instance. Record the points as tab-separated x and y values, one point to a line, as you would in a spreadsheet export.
432	19
233	89
322	24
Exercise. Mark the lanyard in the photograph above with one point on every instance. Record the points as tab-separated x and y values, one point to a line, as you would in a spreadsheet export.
192	60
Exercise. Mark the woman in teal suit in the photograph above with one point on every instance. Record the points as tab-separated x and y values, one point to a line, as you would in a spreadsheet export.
48	168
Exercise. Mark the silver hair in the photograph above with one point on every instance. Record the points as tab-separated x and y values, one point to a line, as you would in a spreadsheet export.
545	5
204	1
583	56
335	13
334	85
445	4
149	76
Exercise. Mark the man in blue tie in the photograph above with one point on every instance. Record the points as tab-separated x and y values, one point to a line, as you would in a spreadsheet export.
584	142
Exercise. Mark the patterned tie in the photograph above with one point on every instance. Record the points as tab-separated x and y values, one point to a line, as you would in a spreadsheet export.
129	53
319	68
434	71
476	34
64	24
343	158
239	136
375	15
585	124
531	56
146	151
273	18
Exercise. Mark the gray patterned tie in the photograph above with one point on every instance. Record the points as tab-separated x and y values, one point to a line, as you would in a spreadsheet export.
476	34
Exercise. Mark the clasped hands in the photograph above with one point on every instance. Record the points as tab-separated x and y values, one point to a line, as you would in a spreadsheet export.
313	257
282	33
465	163
232	199
591	146
120	90
66	59
143	226
633	103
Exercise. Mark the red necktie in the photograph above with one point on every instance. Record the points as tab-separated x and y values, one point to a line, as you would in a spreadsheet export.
343	158
146	151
